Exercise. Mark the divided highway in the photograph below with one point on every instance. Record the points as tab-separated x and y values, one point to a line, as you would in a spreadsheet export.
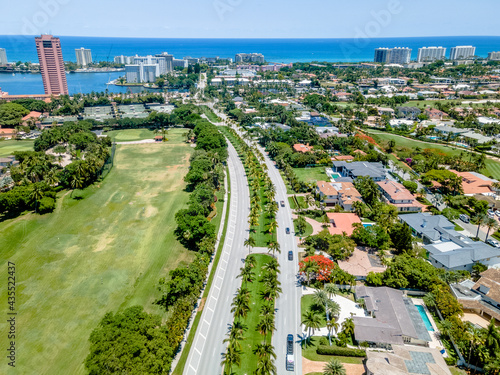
205	355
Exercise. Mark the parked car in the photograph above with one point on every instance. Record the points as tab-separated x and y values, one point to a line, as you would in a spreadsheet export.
493	242
290	255
497	213
491	213
464	218
287	230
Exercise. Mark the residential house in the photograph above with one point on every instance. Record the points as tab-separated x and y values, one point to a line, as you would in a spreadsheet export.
408	112
33	117
299	147
446	130
435	114
476	183
447	248
397	195
481	297
376	171
406	360
343	194
342	222
393	320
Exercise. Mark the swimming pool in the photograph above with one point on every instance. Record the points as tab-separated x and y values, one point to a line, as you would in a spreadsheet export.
425	318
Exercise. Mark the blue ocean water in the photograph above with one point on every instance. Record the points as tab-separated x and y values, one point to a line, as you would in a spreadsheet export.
22	48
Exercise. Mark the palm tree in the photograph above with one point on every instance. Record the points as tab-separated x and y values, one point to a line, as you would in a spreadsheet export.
334	367
265	366
331	324
246	274
51	177
348	327
36	194
331	290
273	224
236	334
480	219
491	223
311	321
231	358
274	246
272	266
76	182
250	242
266	325
264	350
241	303
310	268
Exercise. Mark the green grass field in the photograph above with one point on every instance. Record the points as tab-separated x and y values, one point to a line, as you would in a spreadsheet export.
8	147
306	303
129	135
102	253
307	232
312	174
252	337
492	166
210	114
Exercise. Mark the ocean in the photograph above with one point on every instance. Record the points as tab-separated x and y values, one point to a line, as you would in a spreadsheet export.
22	48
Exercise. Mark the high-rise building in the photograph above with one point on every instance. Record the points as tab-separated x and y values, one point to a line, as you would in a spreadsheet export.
400	55
83	56
179	63
51	64
382	55
430	54
133	73
462	52
249	57
169	66
494	56
3	56
397	55
149	72
124	59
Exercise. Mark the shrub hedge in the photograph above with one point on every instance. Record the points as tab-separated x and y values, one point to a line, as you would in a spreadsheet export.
337	350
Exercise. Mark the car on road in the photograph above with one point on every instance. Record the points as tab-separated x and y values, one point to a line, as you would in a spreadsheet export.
464	218
493	242
287	230
290	255
282	203
290	362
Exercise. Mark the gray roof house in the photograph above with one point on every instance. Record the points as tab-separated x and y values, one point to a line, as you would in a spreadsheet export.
393	320
376	171
446	247
408	112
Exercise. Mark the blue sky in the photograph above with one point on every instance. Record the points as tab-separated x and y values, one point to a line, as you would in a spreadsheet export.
251	18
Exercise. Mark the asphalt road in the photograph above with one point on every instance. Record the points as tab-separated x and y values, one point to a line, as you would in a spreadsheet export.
205	355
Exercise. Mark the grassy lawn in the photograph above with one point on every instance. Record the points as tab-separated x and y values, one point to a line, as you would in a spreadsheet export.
8	147
128	135
309	352
102	253
307	232
312	174
252	337
457	371
209	113
306	303
291	201
492	167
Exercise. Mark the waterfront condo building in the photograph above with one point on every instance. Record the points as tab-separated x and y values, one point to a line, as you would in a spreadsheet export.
430	54
51	65
492	56
397	55
462	52
249	57
3	56
83	56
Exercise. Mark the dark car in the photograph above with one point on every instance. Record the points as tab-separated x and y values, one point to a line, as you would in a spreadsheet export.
290	255
282	203
287	230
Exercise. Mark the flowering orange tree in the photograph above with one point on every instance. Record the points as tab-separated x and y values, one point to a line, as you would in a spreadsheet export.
316	267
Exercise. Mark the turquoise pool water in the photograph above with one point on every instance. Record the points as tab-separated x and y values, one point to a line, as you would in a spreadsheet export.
335	175
425	318
366	225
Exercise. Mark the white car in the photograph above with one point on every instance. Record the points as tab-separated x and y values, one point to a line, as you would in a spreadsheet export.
497	213
493	242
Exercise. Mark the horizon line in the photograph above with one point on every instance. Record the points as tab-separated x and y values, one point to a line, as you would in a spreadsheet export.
254	38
